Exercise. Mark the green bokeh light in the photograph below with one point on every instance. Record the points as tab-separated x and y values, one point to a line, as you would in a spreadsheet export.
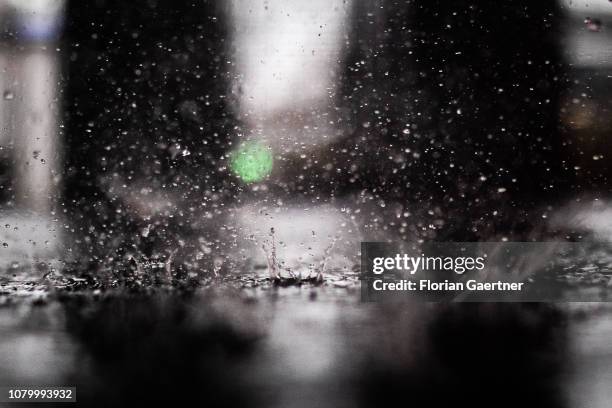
252	162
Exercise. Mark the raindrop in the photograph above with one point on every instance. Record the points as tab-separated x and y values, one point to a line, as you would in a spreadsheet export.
9	95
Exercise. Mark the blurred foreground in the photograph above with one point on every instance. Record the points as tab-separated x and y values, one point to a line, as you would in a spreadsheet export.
250	343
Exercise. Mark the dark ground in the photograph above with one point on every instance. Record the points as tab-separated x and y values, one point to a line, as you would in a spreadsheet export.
243	341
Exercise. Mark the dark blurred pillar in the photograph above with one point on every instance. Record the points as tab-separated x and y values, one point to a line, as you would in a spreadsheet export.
147	118
475	355
461	100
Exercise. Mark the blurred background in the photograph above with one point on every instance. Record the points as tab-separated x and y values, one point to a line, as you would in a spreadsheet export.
148	128
151	140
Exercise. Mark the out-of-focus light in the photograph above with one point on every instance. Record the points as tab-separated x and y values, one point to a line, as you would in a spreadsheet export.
287	60
284	45
38	19
251	162
591	6
587	36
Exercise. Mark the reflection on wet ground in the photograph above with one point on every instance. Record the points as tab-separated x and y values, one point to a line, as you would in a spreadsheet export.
591	357
248	342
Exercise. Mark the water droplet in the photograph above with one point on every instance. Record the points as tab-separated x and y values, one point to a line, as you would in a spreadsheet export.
9	95
4	244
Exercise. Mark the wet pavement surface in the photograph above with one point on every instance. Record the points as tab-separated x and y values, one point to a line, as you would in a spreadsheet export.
244	340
